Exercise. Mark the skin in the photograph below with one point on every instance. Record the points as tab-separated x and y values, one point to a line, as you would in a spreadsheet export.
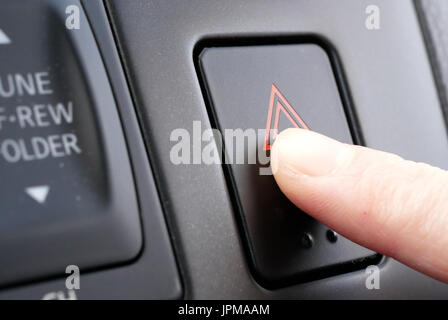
393	206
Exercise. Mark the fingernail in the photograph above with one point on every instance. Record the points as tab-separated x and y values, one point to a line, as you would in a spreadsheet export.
309	153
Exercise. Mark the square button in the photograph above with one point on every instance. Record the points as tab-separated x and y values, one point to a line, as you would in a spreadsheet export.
268	87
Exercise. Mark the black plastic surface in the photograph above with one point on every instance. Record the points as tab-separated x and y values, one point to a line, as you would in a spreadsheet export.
248	85
393	92
390	82
153	273
69	197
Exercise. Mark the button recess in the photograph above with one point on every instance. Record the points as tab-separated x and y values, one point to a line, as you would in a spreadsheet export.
67	194
275	87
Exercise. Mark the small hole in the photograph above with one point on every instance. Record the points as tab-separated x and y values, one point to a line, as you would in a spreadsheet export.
332	236
306	240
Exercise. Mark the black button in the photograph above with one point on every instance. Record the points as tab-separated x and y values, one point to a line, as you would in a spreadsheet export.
269	87
66	193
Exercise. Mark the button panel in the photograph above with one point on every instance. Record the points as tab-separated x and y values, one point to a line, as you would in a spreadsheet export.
67	193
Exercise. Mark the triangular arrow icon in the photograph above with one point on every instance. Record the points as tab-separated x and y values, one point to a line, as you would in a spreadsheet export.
277	103
38	193
4	38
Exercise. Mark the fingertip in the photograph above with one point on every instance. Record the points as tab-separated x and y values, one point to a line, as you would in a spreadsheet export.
306	152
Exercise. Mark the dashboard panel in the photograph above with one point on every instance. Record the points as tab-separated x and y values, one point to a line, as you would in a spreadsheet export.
104	101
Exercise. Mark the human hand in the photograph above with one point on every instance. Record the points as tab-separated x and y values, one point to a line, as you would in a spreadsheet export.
393	206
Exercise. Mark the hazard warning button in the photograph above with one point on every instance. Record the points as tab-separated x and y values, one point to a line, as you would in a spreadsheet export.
253	93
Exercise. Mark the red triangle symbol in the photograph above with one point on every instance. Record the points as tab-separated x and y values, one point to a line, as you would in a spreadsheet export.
277	103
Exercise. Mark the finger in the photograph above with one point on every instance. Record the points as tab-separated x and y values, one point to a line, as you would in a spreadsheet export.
393	206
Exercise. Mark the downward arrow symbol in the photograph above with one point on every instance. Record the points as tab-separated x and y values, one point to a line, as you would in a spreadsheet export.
4	38
38	193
